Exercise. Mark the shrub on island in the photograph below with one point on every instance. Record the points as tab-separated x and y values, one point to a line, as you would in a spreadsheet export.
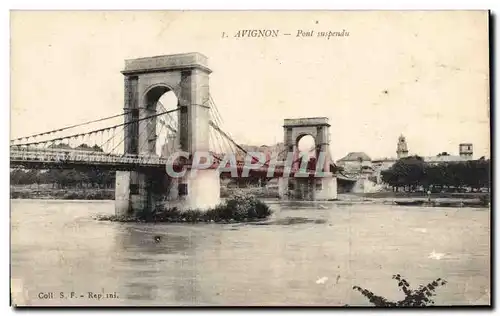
238	208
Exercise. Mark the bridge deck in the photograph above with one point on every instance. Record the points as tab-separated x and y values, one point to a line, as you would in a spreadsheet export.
67	159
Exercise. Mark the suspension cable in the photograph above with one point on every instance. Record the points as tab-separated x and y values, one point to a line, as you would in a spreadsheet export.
69	127
215	108
158	137
168	125
102	129
217	145
106	143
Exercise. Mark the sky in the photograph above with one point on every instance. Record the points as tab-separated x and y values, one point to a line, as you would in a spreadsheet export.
421	74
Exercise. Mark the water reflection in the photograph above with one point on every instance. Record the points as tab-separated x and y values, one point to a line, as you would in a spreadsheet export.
289	221
136	238
156	270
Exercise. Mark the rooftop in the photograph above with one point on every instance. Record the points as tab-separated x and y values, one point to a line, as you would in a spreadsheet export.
386	159
356	156
444	158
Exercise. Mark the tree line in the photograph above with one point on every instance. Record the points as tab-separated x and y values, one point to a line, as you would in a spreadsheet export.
66	178
413	173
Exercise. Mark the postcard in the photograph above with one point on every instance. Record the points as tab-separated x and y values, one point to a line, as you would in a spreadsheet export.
250	158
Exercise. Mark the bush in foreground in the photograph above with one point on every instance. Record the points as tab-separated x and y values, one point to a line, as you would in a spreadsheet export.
239	208
413	297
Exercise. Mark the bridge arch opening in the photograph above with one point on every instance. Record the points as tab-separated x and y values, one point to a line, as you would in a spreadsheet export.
163	94
158	99
306	144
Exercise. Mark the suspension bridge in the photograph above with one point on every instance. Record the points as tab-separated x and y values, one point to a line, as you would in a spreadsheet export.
140	142
103	147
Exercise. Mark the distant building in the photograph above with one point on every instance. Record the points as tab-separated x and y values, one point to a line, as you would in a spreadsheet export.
356	163
402	151
466	150
273	152
380	165
465	153
443	158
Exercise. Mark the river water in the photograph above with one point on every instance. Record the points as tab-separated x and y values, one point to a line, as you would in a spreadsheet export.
311	254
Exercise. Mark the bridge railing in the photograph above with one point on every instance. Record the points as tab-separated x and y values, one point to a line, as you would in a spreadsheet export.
82	156
62	156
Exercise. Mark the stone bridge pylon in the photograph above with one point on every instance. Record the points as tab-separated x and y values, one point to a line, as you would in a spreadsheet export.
320	186
146	80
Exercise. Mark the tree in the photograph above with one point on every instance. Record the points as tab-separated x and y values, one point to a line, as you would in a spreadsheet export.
61	145
406	172
390	177
64	178
413	172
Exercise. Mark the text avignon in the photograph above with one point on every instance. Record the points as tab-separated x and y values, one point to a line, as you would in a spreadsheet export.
257	33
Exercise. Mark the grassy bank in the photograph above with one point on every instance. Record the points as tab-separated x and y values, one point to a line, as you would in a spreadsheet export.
29	192
390	194
259	192
61	194
239	208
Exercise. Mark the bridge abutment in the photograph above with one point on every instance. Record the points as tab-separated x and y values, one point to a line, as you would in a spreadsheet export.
283	187
200	191
307	188
122	193
137	192
326	187
131	196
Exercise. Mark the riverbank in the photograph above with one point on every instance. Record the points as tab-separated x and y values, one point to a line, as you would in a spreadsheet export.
44	193
443	195
434	200
259	192
270	194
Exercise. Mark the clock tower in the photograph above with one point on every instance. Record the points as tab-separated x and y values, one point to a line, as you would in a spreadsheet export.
402	147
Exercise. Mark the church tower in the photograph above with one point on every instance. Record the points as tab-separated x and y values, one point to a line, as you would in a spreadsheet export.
402	147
